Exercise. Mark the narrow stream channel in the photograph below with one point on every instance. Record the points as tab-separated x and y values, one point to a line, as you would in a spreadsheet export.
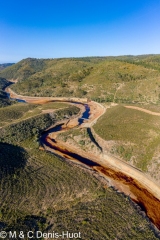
58	128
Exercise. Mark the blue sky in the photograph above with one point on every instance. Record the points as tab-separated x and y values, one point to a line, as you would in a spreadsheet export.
76	28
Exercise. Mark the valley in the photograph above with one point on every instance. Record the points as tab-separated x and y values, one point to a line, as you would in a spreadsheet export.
121	175
107	154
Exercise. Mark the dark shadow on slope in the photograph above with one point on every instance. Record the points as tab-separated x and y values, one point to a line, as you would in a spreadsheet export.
2	225
28	223
11	158
4	96
93	139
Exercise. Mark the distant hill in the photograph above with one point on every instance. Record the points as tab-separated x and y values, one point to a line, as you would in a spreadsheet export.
4	65
148	61
125	79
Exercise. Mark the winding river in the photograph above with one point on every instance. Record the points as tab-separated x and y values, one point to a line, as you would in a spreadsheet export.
121	175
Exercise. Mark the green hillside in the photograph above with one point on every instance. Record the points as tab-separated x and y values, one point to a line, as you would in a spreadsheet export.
40	191
148	61
120	79
133	136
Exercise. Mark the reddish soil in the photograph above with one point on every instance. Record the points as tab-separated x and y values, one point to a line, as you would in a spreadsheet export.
130	181
120	174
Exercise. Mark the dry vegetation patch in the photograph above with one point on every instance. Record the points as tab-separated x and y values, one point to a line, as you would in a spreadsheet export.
80	138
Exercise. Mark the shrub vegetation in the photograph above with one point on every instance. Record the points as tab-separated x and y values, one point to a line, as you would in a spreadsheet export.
124	79
135	133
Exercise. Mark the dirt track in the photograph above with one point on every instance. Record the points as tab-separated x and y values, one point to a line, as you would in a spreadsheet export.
144	110
41	100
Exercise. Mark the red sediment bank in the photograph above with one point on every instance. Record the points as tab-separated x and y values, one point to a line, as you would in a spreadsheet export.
137	191
144	198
